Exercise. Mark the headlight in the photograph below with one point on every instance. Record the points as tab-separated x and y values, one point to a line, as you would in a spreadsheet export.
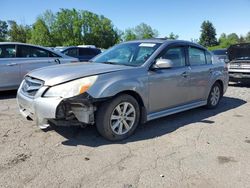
72	88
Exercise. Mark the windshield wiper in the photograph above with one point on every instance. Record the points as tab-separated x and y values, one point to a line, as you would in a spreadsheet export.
108	62
115	63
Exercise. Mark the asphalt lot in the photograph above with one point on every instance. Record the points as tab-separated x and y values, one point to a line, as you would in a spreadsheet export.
197	148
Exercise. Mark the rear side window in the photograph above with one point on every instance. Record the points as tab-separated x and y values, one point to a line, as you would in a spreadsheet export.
29	51
87	51
73	52
196	56
7	51
208	58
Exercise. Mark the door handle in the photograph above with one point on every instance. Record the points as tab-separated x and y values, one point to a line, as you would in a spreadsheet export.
11	64
211	71
184	74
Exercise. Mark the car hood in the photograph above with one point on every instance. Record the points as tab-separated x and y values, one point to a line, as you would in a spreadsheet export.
57	74
239	51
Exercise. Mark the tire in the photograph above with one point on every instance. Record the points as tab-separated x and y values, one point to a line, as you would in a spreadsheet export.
214	96
113	123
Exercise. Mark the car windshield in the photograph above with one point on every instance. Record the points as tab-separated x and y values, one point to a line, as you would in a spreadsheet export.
131	54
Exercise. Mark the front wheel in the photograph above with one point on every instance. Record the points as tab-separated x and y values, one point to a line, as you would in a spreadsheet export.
214	96
117	119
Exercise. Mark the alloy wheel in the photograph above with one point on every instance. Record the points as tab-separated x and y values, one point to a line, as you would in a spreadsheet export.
122	118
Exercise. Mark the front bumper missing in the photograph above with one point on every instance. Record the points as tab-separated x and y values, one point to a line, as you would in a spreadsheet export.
80	108
44	110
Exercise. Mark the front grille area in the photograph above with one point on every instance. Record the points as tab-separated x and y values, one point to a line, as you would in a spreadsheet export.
31	86
240	65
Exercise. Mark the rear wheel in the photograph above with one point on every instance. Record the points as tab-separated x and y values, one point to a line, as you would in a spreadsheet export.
214	96
117	119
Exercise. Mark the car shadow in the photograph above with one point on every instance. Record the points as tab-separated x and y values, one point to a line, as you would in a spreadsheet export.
89	136
8	94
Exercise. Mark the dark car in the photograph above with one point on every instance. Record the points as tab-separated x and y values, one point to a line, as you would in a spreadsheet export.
221	54
239	62
82	53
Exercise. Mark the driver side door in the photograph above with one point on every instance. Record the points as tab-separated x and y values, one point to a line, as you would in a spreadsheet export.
169	87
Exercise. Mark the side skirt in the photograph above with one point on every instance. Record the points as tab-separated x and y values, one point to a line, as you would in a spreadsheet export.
174	110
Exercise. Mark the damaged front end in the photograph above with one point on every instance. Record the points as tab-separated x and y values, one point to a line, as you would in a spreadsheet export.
76	111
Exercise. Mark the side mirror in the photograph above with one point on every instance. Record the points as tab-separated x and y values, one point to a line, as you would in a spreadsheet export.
163	64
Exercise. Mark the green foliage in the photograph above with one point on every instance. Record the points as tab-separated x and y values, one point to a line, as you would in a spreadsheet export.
40	34
208	34
3	30
226	40
98	30
129	34
247	38
172	36
72	27
141	31
19	33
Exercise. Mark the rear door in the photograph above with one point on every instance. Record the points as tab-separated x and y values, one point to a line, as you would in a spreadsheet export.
9	68
31	58
200	73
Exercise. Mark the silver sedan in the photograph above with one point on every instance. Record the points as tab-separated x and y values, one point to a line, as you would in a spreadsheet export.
17	59
131	83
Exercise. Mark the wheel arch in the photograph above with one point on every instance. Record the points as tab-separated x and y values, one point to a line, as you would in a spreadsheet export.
220	82
136	95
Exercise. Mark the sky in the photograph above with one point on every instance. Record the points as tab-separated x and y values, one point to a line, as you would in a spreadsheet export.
182	17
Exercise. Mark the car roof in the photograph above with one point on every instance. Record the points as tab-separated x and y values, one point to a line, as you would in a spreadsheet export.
79	47
168	42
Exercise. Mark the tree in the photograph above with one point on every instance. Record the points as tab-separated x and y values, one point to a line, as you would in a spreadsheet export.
144	31
172	36
129	34
247	38
19	33
141	31
208	34
226	40
40	34
98	30
233	37
67	28
3	30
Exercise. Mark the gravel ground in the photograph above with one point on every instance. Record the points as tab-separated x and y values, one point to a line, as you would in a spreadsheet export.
197	148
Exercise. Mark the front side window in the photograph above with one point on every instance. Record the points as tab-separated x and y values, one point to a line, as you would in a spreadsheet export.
7	51
176	55
29	51
131	54
196	56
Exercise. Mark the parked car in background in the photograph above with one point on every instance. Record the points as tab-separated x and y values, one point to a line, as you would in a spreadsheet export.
80	52
17	59
220	54
239	62
128	84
